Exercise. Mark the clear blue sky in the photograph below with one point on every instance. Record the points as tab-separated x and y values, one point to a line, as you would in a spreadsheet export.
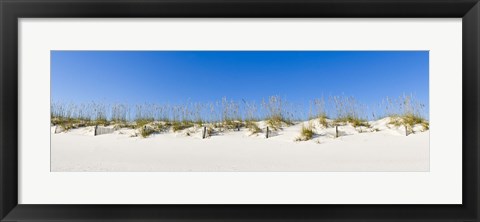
174	77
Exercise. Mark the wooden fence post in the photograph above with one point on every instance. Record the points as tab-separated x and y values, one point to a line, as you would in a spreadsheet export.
204	132
336	131
95	131
267	132
406	130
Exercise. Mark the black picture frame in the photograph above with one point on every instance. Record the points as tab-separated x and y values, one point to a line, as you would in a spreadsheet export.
11	11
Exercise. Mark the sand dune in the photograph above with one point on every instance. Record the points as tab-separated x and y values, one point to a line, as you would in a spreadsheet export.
382	147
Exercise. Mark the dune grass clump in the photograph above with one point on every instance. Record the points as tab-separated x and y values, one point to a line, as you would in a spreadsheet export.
63	116
69	123
230	118
196	114
317	111
253	127
323	121
66	123
144	119
128	125
73	116
409	120
348	110
355	121
146	131
120	113
251	117
425	125
406	111
162	127
181	125
306	133
275	122
100	114
232	124
140	123
275	113
412	120
100	122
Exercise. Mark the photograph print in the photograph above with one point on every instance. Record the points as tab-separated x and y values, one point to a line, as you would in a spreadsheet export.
239	111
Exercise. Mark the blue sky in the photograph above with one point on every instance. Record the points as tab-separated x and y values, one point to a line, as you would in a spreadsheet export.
175	77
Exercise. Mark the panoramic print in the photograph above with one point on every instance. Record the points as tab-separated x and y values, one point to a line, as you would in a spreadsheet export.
239	111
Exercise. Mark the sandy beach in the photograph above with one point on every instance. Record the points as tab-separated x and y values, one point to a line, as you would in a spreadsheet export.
382	147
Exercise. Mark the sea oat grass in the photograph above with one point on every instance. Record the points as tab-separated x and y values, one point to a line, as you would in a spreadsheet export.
409	120
253	127
226	114
140	123
426	125
232	124
306	133
146	131
356	122
181	125
322	119
275	122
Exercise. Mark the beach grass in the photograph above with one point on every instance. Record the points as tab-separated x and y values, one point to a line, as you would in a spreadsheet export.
226	114
407	111
252	126
306	133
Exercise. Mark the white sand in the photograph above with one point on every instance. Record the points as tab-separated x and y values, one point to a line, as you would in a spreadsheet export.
386	150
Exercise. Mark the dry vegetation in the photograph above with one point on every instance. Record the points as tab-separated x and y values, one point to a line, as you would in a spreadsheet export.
306	133
230	115
348	110
406	111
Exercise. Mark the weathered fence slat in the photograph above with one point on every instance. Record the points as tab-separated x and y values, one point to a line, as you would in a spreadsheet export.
103	130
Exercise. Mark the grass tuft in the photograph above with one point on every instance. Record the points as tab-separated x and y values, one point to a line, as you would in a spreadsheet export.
177	125
409	120
356	122
253	127
142	122
146	131
275	122
232	124
322	119
306	133
426	125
